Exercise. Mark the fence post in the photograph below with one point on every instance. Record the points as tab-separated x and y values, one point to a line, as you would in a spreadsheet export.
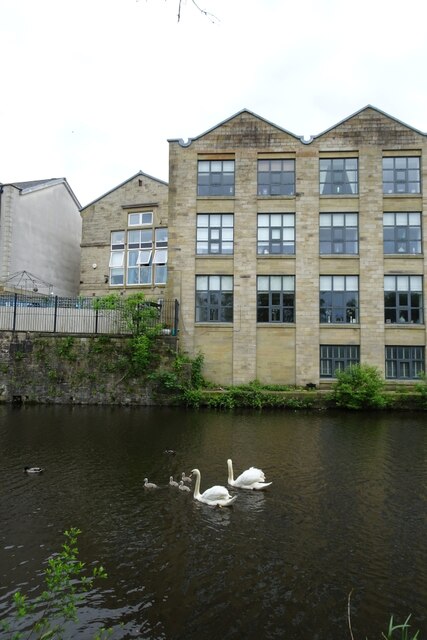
96	320
15	299
175	320
55	313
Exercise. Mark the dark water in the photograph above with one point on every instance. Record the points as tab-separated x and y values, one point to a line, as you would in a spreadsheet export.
346	512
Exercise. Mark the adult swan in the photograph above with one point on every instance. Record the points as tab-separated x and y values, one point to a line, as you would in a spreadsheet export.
215	496
252	478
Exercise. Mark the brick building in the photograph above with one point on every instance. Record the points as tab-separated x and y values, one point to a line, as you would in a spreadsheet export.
292	258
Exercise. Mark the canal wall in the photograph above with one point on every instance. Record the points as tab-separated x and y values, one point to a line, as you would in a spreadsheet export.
53	369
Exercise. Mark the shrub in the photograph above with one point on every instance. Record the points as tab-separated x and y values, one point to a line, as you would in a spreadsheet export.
359	387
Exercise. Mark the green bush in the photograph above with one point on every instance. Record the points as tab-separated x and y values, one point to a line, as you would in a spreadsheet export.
359	386
421	388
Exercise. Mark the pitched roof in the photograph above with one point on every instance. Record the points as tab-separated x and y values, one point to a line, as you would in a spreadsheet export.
368	106
220	124
33	185
140	173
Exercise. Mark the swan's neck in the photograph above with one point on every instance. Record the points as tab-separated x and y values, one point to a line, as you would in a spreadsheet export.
230	471
197	485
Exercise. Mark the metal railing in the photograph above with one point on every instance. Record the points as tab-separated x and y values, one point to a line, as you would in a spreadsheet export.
54	314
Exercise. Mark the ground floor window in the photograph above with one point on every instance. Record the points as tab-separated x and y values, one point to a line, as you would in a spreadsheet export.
404	363
275	298
214	298
337	357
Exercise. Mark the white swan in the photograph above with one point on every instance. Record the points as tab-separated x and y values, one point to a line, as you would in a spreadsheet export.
172	482
185	478
183	486
252	478
149	485
215	496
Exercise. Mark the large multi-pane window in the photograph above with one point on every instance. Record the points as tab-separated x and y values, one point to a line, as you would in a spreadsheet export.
214	234
338	233
160	258
276	177
403	299
135	251
214	298
276	233
215	178
403	362
402	232
117	258
338	176
140	251
275	298
401	175
339	299
337	357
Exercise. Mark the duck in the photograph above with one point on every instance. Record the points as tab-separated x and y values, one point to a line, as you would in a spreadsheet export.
183	486
33	470
215	496
252	478
169	452
149	485
186	478
172	482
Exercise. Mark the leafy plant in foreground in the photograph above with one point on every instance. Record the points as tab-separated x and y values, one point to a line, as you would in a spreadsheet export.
360	386
65	587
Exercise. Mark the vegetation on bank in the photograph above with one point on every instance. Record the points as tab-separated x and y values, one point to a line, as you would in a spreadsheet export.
67	585
109	370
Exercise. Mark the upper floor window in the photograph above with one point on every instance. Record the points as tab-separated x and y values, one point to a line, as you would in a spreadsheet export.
215	178
160	258
214	298
338	176
337	357
214	234
403	299
401	175
403	362
402	232
338	233
140	218
276	177
275	298
117	256
276	233
339	299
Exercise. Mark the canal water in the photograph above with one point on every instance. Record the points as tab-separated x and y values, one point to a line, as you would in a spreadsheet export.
346	513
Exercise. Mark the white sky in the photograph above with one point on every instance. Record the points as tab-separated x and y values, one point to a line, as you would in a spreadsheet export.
91	90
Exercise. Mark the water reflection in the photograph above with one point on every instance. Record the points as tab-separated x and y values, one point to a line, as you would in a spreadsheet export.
346	510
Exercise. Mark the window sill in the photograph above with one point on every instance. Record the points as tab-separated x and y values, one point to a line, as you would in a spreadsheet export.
213	324
401	256
402	195
204	256
338	195
225	197
340	325
288	325
276	255
340	256
404	325
277	197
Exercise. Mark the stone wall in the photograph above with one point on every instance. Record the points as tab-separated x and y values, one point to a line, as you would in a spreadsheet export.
52	369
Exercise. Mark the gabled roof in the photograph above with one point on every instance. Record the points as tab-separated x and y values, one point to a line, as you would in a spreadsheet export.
34	185
140	173
368	106
220	124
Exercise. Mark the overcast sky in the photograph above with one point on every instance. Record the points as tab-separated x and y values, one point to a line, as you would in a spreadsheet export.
91	90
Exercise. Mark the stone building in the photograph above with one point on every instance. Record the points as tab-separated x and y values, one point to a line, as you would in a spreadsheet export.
293	258
125	239
40	235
